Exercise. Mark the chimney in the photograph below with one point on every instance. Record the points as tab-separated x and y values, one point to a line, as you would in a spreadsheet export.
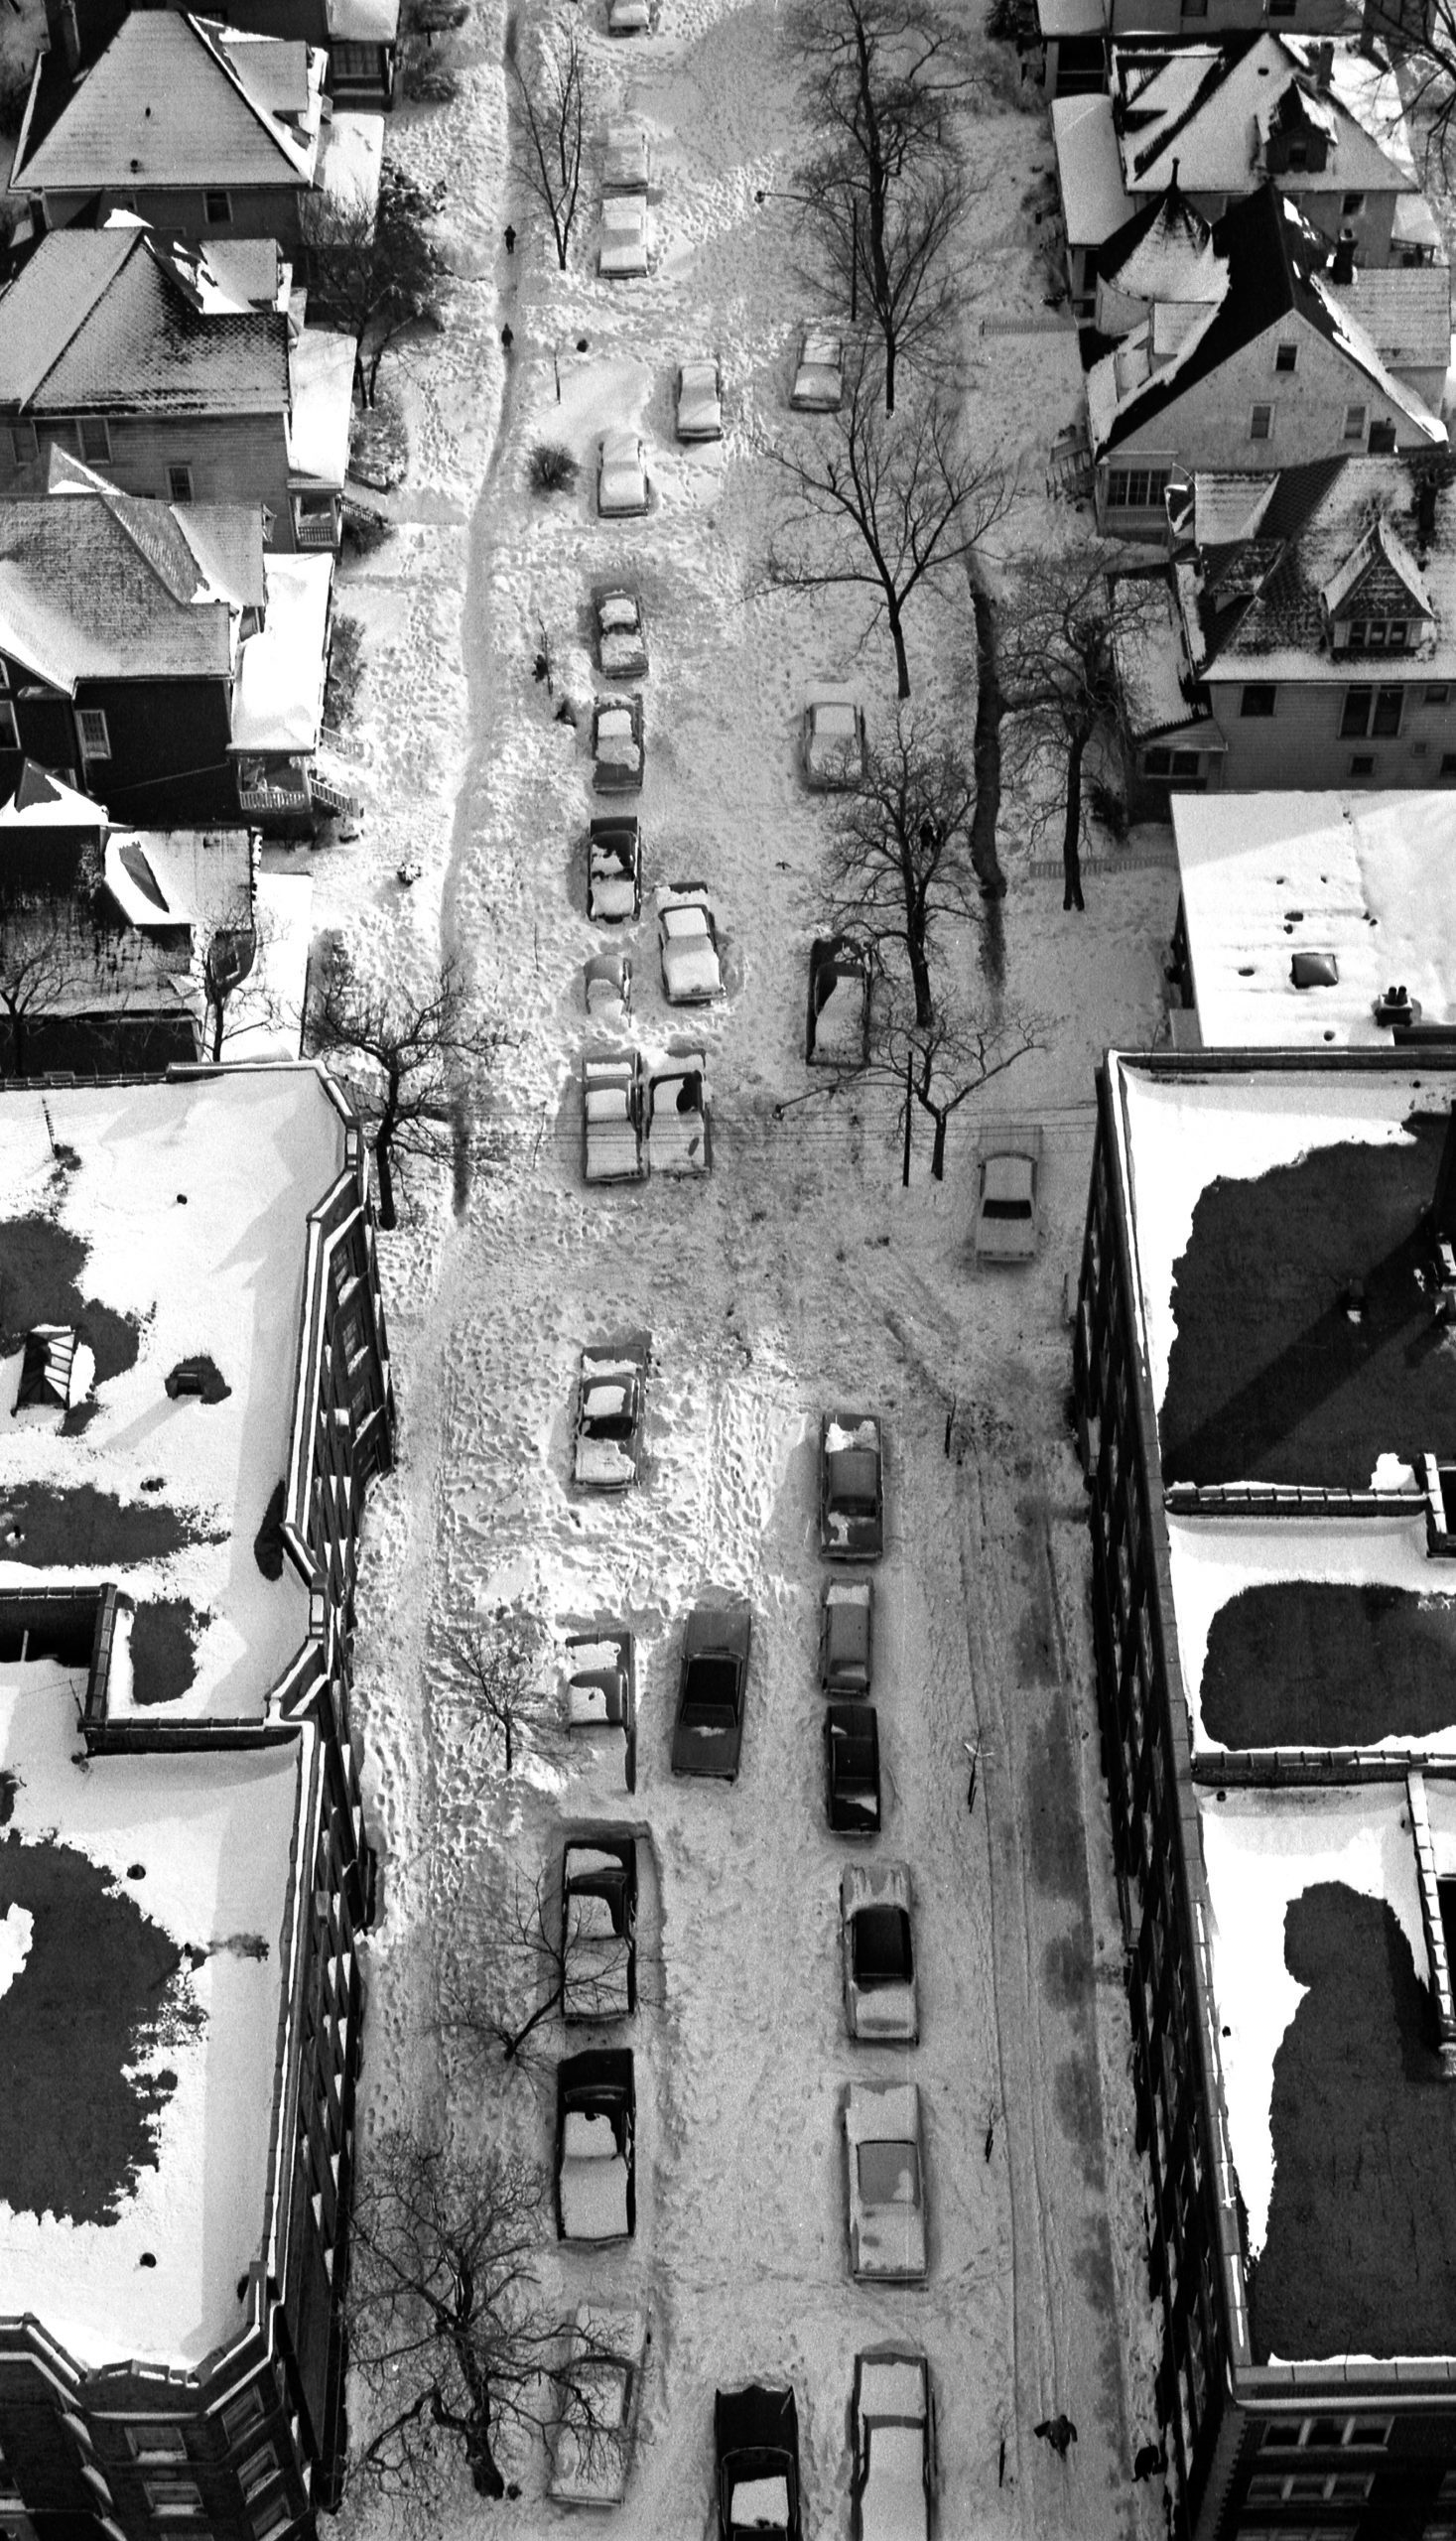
1425	511
1322	64
64	32
1342	263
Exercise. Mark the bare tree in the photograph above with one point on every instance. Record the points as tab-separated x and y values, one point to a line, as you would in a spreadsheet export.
419	1049
887	502
1420	37
499	1664
377	269
533	1976
941	1064
447	2332
550	132
898	859
901	271
1059	679
38	971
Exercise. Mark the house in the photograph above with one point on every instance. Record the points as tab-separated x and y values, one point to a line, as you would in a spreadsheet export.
200	130
361	38
199	1365
1307	637
1275	371
182	371
1265	1400
152	654
1320	122
1076	35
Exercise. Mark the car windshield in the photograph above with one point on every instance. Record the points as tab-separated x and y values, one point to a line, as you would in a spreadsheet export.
1006	1209
883	1946
713	1683
833	723
889	2173
853	1480
619	612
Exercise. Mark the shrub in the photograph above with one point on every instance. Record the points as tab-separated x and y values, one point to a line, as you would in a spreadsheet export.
553	470
363	529
1106	806
345	670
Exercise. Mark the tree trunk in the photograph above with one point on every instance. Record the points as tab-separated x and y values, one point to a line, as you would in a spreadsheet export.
1072	830
897	638
219	1017
920	975
986	756
507	1725
909	1122
890	381
938	1149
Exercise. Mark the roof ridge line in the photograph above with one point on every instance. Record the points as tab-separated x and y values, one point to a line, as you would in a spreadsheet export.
260	114
83	318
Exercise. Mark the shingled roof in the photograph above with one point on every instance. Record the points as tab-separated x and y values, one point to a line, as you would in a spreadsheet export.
180	100
99	585
110	320
1215	101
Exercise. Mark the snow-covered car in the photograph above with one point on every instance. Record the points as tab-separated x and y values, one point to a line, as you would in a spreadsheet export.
838	1035
611	1119
886	2182
601	1689
596	2146
599	1926
611	1395
709	1733
832	738
687	943
1007	1199
621	631
621	476
851	1768
700	401
607	987
598	2394
819	379
627	238
846	1636
892	2440
679	1131
878	1948
613	868
618	745
851	1487
756	2442
629	17
626	160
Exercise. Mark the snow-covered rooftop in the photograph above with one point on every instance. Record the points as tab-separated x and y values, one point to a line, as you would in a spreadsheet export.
352	158
279	699
1095	201
149	1893
322	377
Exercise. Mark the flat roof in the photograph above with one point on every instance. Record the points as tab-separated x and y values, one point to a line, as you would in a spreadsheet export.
1363	877
126	1215
148	1895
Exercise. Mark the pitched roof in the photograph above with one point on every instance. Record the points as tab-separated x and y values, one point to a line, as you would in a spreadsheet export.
130	331
1216	103
106	585
180	100
1165	252
1405	310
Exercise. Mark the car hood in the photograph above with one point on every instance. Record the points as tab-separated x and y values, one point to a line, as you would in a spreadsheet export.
883	2011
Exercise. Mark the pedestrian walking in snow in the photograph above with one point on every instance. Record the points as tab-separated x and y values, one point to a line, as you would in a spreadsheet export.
506	339
511	240
1148	2461
1059	2432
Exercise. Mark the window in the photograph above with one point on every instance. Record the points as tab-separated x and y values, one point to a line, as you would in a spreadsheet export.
95	741
218	208
1352	206
1382	439
242	2413
178	482
1449	763
272	2519
8	728
1378	634
157	2443
24	445
355	60
255	2473
95	440
1286	358
1137	489
1361	765
172	2500
1259	700
1435	697
1195	8
1261	424
1354	423
1371	713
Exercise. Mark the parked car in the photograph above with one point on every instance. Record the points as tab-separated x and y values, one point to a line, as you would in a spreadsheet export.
596	2146
611	1119
838	1035
687	943
756	2442
847	1636
621	476
833	737
877	1946
625	249
700	401
598	2393
599	1927
607	986
709	1733
679	1131
819	379
1008	1200
626	160
851	1487
621	632
613	868
602	1691
612	1394
851	1768
886	2182
618	745
892	2440
629	17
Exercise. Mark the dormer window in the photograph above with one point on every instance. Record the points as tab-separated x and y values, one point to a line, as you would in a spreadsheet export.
1378	634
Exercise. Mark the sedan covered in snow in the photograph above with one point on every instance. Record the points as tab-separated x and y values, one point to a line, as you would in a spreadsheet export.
626	160
618	745
629	17
597	2392
700	401
851	1768
1007	1197
709	1734
600	1671
596	2146
621	631
611	1395
607	987
611	1119
613	868
625	249
755	2437
687	937
599	1927
893	2437
838	1035
846	1636
819	378
621	476
679	1131
877	1946
851	1487
832	738
886	2182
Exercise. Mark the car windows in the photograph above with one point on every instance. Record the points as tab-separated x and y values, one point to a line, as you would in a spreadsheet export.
889	2173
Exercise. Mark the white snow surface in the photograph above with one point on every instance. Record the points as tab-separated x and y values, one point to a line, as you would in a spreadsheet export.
17	1931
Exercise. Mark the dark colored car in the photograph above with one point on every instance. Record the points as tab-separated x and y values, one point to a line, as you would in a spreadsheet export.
613	870
756	2436
837	1034
846	1636
596	2146
599	1927
851	1768
851	1487
708	1732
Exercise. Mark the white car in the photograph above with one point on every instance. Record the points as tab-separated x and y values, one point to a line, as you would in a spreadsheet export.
626	237
618	745
700	401
621	632
834	738
600	1692
621	476
611	1119
892	2437
626	163
611	1395
819	381
877	1946
687	936
613	870
607	987
886	2182
679	1135
598	2391
1007	1214
629	17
